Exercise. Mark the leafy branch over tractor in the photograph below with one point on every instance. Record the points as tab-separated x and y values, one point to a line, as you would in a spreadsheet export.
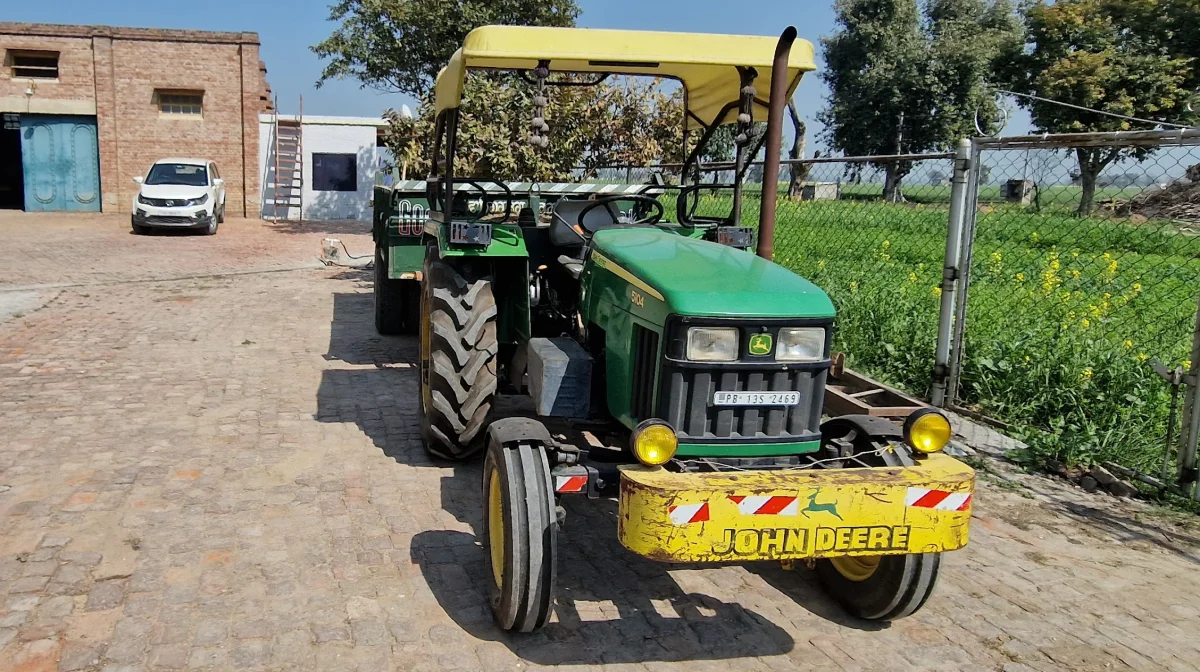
661	362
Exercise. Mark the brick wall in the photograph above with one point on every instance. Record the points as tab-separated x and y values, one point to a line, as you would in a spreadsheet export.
115	73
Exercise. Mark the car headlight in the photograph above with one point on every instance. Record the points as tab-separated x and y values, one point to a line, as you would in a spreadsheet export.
198	201
801	344
654	442
712	344
927	431
143	200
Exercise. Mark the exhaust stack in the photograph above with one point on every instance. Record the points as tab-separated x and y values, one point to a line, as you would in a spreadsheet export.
770	188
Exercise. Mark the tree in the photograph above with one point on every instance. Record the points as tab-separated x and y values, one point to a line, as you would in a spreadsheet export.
632	122
797	172
908	77
400	45
1129	57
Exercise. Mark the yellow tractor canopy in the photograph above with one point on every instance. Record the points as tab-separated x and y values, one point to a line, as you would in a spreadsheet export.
706	65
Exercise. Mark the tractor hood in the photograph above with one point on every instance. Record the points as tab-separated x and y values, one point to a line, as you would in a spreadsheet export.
700	278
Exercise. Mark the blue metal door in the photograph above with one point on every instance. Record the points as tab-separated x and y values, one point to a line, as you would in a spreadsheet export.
61	161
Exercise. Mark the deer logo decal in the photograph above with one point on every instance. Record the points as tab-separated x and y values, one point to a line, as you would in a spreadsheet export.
815	507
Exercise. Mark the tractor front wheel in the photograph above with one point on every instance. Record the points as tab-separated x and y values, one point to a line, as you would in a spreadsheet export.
880	587
876	587
458	358
520	532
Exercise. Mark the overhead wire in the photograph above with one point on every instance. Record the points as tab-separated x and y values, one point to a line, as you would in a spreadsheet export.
1126	117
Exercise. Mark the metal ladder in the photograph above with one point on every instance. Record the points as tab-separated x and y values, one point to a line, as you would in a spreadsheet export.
287	188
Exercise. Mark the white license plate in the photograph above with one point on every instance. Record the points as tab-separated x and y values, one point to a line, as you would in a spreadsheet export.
756	398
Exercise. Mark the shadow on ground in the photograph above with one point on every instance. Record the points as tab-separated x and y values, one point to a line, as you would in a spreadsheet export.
612	606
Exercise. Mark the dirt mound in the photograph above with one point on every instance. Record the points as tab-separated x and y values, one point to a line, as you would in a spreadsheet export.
1179	201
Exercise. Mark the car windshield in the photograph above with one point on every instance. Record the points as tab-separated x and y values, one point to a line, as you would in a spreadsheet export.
178	173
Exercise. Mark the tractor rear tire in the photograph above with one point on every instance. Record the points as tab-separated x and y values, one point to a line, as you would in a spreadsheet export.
458	359
883	588
397	302
520	532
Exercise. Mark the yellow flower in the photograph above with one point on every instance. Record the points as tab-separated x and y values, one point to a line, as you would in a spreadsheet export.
1187	365
1034	236
1028	359
1074	255
887	244
1074	274
1086	323
853	286
1020	278
1141	356
937	291
1086	375
821	265
912	277
995	263
1128	344
1137	287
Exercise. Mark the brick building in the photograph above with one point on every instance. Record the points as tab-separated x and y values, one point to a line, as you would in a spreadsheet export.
86	109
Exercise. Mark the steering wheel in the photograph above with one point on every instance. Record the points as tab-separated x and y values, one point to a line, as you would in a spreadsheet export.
653	218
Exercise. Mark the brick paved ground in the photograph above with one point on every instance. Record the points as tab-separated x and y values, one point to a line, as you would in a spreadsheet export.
224	473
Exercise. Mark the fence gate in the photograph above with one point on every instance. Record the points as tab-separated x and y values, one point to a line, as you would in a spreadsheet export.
1077	306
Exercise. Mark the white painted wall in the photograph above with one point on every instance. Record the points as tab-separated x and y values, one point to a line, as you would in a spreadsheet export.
323	135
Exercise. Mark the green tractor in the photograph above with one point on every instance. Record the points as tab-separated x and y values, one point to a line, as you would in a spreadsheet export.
660	362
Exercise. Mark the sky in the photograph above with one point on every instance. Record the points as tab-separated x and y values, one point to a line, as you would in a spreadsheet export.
288	29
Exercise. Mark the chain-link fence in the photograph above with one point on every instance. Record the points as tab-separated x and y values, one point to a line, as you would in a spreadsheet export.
1083	265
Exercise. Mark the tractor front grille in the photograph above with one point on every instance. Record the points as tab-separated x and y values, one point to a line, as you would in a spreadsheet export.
686	393
645	361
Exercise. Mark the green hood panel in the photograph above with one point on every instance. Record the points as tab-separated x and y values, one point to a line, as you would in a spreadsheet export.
700	278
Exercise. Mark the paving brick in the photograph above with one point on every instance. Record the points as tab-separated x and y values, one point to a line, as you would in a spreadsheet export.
77	656
105	595
170	656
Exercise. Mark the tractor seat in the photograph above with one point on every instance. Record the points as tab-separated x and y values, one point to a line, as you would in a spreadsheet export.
573	266
567	231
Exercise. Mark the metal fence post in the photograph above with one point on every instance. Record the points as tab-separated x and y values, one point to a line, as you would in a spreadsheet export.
950	271
970	210
1189	432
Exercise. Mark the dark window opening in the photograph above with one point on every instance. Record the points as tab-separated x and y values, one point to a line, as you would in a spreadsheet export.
34	64
335	172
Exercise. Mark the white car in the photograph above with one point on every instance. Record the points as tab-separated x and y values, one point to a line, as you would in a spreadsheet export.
180	193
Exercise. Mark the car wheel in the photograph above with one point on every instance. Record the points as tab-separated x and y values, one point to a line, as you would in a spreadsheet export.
138	229
220	214
212	226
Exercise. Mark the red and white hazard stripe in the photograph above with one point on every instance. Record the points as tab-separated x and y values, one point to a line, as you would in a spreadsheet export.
938	500
570	483
685	514
766	506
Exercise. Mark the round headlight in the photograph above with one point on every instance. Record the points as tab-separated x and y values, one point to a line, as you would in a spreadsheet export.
654	443
927	431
